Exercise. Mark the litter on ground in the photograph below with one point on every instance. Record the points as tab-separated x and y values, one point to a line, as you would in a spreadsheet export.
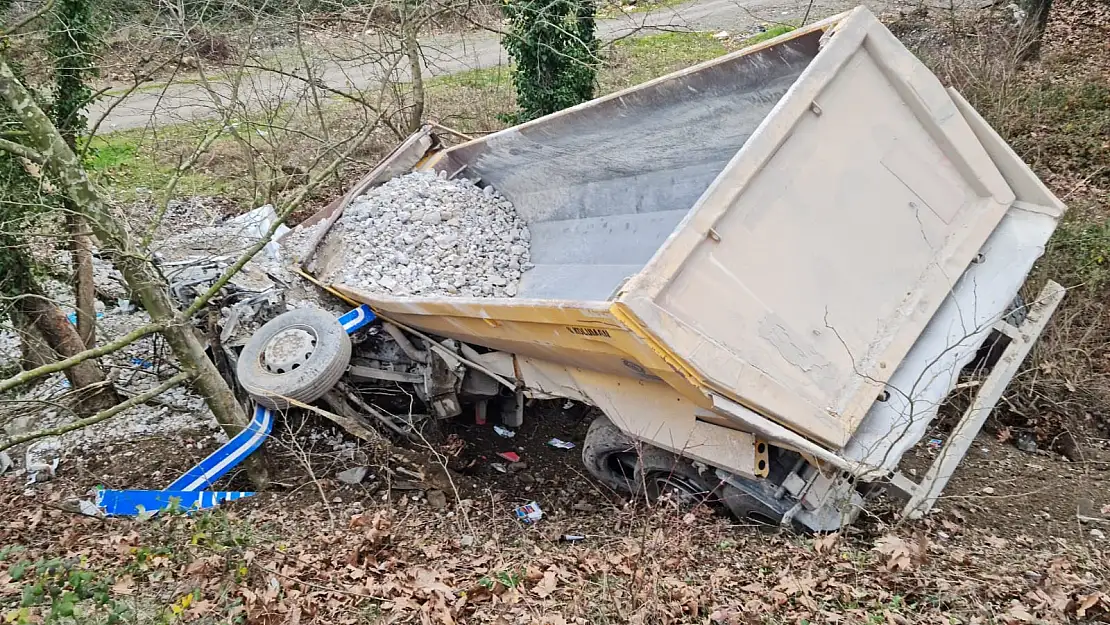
529	512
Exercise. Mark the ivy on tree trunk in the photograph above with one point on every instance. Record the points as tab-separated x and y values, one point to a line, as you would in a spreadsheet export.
554	50
71	42
138	271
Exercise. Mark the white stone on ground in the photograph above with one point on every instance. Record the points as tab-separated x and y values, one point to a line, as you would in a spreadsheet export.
421	234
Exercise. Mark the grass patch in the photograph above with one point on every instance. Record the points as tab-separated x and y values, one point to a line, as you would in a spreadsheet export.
767	35
1079	254
635	60
128	162
483	78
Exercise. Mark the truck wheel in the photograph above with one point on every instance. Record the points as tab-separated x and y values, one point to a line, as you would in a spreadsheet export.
748	509
661	474
297	355
609	455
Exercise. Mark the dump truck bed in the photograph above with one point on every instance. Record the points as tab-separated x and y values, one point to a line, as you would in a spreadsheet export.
776	227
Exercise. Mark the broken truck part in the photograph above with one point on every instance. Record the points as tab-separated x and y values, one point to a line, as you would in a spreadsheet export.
185	493
767	270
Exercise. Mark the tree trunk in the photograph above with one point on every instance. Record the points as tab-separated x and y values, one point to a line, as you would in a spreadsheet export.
1036	20
60	335
84	289
412	51
141	275
34	351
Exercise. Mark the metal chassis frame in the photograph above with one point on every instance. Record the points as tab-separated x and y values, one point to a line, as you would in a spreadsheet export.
922	496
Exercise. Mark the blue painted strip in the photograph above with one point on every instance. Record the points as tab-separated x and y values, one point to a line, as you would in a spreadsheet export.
134	502
357	318
227	456
184	492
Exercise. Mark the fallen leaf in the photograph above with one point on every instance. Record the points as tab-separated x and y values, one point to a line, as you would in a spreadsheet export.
825	544
1083	604
546	586
996	542
1019	613
794	586
124	586
897	552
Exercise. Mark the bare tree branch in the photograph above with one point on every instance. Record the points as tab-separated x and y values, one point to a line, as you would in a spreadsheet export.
55	367
103	415
21	150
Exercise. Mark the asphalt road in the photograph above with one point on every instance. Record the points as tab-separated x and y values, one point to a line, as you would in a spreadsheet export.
187	100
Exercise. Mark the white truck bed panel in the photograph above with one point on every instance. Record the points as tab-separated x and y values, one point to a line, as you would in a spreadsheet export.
805	273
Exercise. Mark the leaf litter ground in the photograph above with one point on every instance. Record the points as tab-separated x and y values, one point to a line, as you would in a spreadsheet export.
323	551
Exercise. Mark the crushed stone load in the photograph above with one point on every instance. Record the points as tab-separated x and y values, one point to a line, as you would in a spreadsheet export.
422	234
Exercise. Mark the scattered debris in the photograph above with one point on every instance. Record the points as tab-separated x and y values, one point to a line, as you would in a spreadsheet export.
1085	512
89	508
560	444
353	476
416	475
583	506
436	499
529	512
499	467
987	490
517	467
422	234
935	443
19	425
511	456
1025	442
42	471
573	538
1097	534
503	431
721	35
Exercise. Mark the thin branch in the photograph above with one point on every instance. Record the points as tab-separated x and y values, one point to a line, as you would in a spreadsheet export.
182	168
19	149
332	90
54	367
43	10
100	416
111	107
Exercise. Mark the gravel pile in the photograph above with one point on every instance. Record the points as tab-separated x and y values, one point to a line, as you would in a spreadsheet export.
421	234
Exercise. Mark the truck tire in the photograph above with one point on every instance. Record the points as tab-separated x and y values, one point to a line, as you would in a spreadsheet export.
609	455
660	474
297	355
749	509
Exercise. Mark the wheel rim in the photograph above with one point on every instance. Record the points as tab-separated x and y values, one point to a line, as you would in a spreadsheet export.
289	349
686	492
762	519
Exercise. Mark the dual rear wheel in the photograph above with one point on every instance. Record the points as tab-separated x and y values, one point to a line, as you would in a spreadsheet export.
624	465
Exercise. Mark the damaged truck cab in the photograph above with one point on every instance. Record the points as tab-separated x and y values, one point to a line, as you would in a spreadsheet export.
768	271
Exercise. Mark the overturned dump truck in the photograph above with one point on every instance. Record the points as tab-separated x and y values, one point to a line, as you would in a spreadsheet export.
767	271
